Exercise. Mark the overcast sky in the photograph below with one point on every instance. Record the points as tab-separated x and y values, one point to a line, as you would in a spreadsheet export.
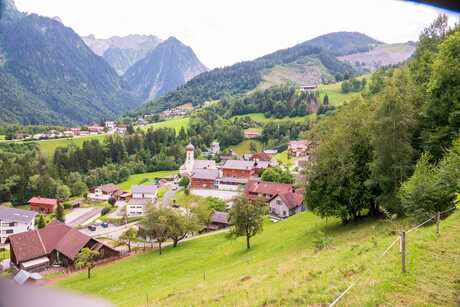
224	32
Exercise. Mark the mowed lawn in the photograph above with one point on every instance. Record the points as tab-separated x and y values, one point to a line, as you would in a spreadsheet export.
334	92
144	178
48	147
175	123
245	147
284	268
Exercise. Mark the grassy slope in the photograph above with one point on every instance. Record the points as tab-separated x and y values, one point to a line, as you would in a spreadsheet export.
176	123
141	178
48	147
260	117
283	269
244	147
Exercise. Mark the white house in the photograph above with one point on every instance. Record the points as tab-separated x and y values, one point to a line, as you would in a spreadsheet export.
284	205
142	197
110	125
13	221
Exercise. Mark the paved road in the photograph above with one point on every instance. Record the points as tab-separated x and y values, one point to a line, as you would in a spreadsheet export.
168	196
80	216
112	231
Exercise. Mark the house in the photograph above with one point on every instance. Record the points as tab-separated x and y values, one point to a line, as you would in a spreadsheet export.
104	192
144	191
215	147
308	87
110	125
231	183
299	148
138	206
191	164
218	220
57	243
142	197
271	152
238	169
252	134
95	129
43	205
68	133
121	129
14	221
204	178
286	204
260	166
260	156
75	131
266	190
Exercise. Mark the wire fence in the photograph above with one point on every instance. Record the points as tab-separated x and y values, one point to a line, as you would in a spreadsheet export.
402	239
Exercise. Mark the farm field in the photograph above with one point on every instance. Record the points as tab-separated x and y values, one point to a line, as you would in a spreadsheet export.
244	147
144	178
48	147
176	123
287	267
334	92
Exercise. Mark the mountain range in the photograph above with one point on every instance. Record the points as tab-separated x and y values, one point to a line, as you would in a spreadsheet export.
49	75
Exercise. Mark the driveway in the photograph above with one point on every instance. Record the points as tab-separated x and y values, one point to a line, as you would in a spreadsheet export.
119	211
81	216
169	195
112	231
224	195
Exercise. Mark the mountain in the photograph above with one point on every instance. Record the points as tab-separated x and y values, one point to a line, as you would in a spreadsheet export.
49	76
381	55
168	66
122	52
315	59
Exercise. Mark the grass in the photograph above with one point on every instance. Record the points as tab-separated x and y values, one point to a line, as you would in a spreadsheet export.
334	92
189	201
176	123
2	137
144	178
48	147
285	268
244	147
4	254
261	118
161	192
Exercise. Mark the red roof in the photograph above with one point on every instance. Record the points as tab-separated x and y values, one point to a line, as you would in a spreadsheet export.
261	156
290	199
299	144
55	236
109	188
43	201
267	188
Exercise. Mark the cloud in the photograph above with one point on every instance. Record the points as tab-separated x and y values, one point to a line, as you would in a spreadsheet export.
225	32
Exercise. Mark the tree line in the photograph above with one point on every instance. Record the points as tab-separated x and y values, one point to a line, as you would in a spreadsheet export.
396	149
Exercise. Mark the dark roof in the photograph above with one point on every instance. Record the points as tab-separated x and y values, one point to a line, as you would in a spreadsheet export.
143	189
239	164
17	215
220	217
205	174
265	187
290	199
43	201
55	236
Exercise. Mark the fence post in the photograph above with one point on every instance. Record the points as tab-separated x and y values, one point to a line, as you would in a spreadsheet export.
403	251
438	221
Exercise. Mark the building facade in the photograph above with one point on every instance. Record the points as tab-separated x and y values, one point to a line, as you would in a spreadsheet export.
43	205
13	221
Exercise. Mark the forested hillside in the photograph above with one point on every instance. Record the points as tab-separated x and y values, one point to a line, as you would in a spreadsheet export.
396	150
50	76
245	76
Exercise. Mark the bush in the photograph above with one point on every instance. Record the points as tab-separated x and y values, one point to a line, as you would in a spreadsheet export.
106	210
112	201
67	205
321	240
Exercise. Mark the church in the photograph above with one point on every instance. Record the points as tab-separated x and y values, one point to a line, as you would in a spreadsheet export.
191	165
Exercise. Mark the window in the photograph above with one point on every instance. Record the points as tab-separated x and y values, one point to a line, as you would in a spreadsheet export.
9	231
12	224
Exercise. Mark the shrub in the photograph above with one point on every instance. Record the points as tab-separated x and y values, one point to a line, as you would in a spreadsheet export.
106	210
67	205
321	240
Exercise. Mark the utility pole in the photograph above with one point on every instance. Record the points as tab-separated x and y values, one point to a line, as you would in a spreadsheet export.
438	221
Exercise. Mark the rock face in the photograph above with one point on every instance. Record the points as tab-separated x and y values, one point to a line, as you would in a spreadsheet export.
167	67
122	52
49	76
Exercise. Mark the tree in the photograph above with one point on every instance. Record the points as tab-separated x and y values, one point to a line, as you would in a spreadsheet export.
420	195
60	213
184	182
326	100
86	258
181	225
127	237
41	222
253	147
155	225
246	217
276	174
63	192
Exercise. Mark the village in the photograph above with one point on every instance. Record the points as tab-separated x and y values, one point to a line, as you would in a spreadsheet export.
92	223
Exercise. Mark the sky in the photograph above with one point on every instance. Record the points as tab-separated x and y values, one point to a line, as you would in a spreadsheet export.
225	32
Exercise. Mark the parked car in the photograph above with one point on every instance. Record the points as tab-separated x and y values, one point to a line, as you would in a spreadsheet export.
105	224
92	227
174	187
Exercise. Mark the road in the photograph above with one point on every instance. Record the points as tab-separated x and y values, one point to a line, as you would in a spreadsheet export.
169	195
112	231
81	216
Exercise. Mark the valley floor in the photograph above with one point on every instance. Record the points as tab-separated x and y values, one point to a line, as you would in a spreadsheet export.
285	268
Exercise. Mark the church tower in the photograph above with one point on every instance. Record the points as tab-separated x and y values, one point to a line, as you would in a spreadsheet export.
190	158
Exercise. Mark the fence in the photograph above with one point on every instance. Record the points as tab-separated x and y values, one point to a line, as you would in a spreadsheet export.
402	239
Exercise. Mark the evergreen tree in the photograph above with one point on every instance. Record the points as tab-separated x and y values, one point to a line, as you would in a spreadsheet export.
60	213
